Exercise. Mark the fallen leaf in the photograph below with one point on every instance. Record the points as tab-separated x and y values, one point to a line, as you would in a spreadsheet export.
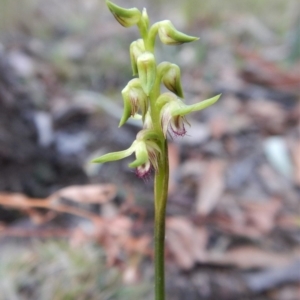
249	257
268	115
219	126
262	71
139	245
211	187
185	242
272	181
263	215
97	193
40	218
113	231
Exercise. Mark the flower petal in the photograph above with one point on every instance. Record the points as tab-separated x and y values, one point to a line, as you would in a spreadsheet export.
115	155
141	154
186	109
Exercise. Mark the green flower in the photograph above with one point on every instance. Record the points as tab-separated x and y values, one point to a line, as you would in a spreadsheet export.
126	17
173	111
146	149
169	35
134	99
170	76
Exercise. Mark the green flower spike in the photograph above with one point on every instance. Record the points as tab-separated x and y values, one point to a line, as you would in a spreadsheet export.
169	35
134	99
173	112
136	49
160	114
146	150
126	17
170	76
147	71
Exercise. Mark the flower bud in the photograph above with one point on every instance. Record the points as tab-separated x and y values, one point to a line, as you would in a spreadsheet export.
170	74
126	17
147	71
134	99
169	35
136	49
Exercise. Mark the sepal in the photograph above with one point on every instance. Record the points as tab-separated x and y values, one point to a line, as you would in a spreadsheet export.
136	49
186	109
141	155
171	78
169	35
145	18
126	17
147	71
114	156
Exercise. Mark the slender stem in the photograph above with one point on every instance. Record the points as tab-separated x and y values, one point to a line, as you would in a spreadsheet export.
160	198
160	195
161	180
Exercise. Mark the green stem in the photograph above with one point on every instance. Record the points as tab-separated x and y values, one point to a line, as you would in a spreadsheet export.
160	196
161	180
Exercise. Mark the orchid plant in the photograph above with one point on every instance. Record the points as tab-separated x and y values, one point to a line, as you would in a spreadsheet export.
161	114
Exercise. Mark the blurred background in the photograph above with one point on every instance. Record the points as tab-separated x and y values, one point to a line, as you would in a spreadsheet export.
73	230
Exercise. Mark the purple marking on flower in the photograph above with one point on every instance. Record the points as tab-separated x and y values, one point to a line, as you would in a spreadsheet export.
144	171
177	125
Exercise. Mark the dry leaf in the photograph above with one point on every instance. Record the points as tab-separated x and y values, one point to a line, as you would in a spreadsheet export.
219	126
185	242
251	258
268	115
113	231
98	193
13	199
119	226
262	215
211	187
268	73
40	218
35	232
138	245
